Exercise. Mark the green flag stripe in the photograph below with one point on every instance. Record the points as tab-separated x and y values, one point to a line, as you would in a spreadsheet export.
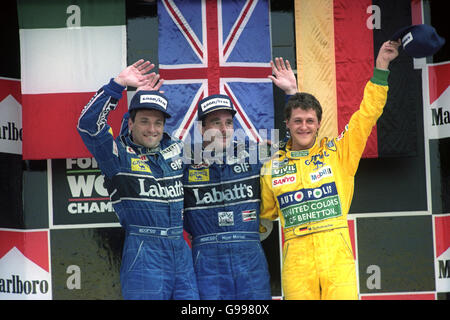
69	13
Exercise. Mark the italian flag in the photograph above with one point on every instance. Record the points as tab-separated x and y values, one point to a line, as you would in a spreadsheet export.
68	50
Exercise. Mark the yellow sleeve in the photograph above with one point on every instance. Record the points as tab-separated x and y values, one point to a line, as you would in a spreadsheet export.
269	208
352	142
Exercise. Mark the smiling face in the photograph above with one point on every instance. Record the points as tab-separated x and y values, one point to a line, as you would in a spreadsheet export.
147	128
217	128
303	126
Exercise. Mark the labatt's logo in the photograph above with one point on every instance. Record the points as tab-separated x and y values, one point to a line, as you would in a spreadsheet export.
159	191
237	192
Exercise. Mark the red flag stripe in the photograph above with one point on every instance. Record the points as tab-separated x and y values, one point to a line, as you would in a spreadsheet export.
354	62
224	72
61	111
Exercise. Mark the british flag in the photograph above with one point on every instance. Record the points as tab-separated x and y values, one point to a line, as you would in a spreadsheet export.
213	46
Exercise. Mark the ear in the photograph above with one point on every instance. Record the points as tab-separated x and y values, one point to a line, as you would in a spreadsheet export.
130	124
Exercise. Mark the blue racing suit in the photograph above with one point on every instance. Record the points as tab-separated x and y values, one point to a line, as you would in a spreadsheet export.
222	204
146	191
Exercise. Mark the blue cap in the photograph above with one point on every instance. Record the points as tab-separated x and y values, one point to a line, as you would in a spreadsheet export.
154	100
213	103
419	40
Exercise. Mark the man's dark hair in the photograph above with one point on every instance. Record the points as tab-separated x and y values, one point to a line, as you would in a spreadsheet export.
304	101
133	113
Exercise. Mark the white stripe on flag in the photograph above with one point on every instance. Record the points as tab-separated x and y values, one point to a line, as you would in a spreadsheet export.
71	60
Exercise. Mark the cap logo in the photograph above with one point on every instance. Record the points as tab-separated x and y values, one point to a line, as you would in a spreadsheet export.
214	103
152	98
407	38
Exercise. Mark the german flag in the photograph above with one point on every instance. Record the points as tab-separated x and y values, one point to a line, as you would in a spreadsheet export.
337	42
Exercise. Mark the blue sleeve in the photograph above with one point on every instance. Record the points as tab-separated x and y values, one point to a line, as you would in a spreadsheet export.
94	129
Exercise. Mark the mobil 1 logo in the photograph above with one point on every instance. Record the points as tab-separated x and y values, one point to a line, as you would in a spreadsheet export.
79	194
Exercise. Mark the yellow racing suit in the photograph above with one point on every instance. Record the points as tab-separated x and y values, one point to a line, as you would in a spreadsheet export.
311	192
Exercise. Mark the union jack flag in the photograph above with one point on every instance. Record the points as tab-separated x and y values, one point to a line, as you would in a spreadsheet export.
213	46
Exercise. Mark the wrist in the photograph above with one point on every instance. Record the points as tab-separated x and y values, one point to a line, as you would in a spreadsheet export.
114	89
290	92
120	81
382	64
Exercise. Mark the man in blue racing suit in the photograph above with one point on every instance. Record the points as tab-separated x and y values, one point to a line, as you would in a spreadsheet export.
145	186
222	203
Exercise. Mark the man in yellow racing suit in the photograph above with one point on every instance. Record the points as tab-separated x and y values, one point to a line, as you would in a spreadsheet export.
309	186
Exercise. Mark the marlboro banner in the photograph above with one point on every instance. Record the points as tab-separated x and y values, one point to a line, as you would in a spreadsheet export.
10	116
24	265
437	107
442	245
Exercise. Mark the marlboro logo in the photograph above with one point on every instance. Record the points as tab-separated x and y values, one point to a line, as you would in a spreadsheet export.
10	116
24	276
438	111
442	262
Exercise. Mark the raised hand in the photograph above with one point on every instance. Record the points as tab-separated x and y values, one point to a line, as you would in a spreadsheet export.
136	75
153	84
387	53
283	76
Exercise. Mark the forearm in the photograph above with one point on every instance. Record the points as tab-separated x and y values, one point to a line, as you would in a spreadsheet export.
93	118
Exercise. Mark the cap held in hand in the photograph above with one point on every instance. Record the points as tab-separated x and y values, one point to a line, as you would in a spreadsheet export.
419	40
